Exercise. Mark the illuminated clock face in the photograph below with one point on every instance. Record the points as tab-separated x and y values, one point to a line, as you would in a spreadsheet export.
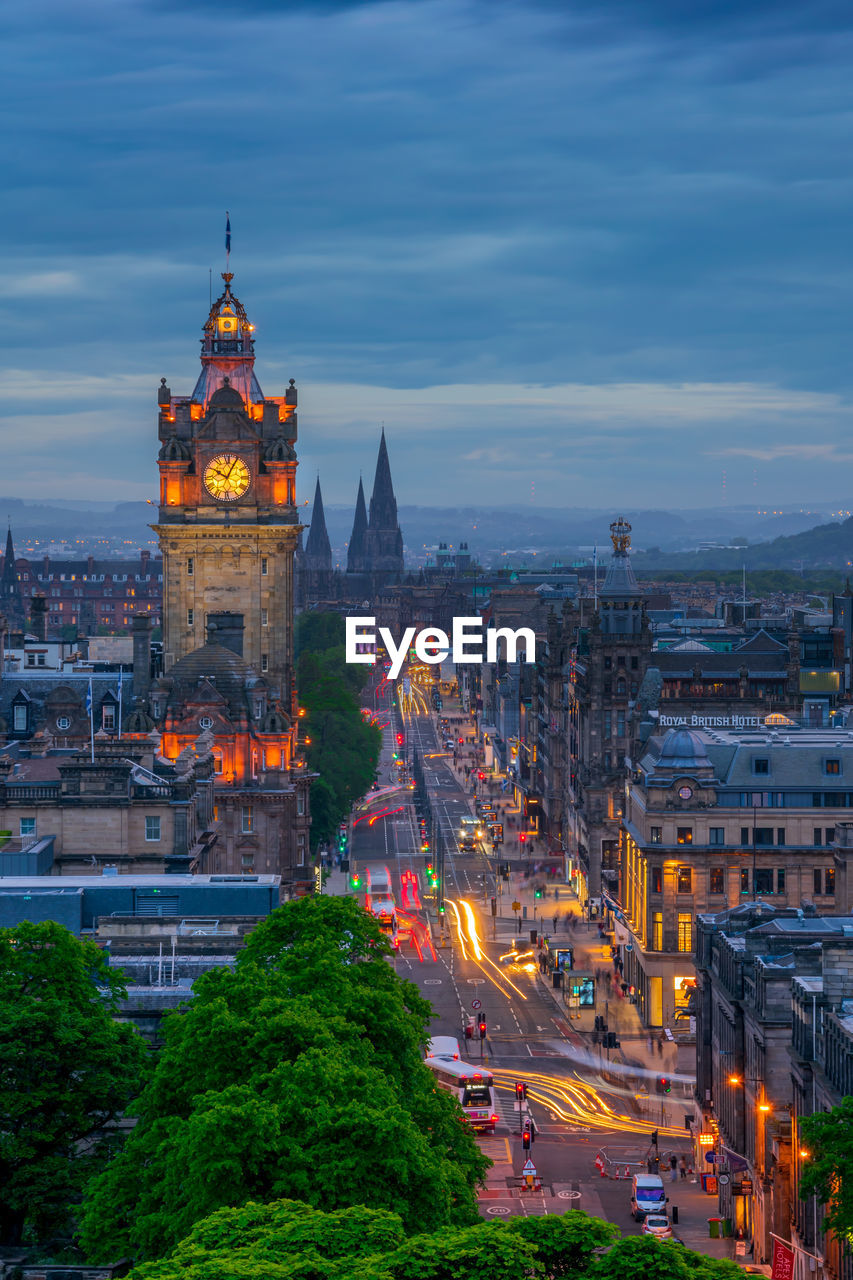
227	477
686	793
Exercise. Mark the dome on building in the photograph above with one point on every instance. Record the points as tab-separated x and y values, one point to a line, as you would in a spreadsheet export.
226	397
683	749
223	668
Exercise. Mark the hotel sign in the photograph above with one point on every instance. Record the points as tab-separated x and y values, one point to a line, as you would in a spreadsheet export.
710	722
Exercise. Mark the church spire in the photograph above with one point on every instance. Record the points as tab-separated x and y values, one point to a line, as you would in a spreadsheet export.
318	549
356	551
383	504
11	600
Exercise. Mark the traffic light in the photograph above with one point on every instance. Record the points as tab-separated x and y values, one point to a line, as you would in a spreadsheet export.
526	1138
522	836
469	1030
481	1027
441	907
654	1138
664	1084
355	880
481	775
520	1090
537	893
399	739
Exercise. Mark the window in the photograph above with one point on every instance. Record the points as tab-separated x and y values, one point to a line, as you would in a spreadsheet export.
190	566
217	760
780	880
31	659
744	880
685	931
19	717
254	764
717	880
108	719
28	826
620	723
265	662
656	835
152	829
635	662
830	835
655	880
760	765
621	686
64	722
608	725
717	835
829	881
265	618
684	835
818	831
300	849
190	617
684	880
818	880
620	661
247	863
608	663
763	835
205	722
264	566
744	835
832	767
657	931
247	820
763	881
608	760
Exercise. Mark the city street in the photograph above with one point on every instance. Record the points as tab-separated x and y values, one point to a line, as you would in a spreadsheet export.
578	1114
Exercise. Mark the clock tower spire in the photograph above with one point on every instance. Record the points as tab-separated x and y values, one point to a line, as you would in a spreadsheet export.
228	524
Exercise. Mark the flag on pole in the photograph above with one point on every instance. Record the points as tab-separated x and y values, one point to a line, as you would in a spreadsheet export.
227	237
89	698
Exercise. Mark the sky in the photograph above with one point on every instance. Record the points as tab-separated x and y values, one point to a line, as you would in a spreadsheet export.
575	252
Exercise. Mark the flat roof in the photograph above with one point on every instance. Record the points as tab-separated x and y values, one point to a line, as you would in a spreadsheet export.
143	882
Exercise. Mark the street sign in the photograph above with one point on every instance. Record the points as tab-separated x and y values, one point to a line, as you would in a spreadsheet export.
516	906
724	1179
476	1004
529	1167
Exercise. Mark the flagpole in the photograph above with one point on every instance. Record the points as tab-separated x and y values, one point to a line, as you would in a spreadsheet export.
227	239
91	721
120	676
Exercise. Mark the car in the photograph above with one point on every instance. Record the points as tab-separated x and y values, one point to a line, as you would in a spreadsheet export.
657	1225
467	844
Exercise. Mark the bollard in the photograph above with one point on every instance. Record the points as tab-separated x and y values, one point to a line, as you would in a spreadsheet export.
675	1215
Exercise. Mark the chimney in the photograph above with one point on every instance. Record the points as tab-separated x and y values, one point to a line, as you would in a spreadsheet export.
38	617
226	629
144	556
90	565
142	626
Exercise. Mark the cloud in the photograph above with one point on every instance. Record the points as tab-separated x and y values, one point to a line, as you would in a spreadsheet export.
804	452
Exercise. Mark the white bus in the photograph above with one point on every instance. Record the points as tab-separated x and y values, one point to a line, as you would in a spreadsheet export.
473	1089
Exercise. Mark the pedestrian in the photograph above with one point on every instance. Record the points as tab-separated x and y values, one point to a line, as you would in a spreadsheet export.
650	1044
660	1044
555	924
682	1166
673	1168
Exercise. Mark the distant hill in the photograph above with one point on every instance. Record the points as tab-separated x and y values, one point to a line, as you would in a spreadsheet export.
828	546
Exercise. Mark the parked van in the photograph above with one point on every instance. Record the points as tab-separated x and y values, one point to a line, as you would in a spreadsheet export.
647	1195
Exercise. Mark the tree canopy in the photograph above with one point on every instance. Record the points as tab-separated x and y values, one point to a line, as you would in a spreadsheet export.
298	1075
290	1241
68	1071
827	1171
342	748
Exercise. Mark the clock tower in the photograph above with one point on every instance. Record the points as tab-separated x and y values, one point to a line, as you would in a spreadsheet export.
228	524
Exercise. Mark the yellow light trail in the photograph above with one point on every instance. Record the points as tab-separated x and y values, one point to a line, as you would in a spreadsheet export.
453	907
479	958
578	1100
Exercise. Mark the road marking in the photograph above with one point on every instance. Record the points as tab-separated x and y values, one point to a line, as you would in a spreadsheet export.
475	982
568	1195
432	982
508	1150
500	1209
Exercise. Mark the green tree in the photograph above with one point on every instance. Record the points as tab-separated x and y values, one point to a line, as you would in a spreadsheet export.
565	1244
342	747
297	1076
827	1172
68	1071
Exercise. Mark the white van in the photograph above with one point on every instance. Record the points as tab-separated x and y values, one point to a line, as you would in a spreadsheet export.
379	882
647	1195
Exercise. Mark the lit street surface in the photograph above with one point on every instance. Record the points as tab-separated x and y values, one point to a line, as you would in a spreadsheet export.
576	1111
